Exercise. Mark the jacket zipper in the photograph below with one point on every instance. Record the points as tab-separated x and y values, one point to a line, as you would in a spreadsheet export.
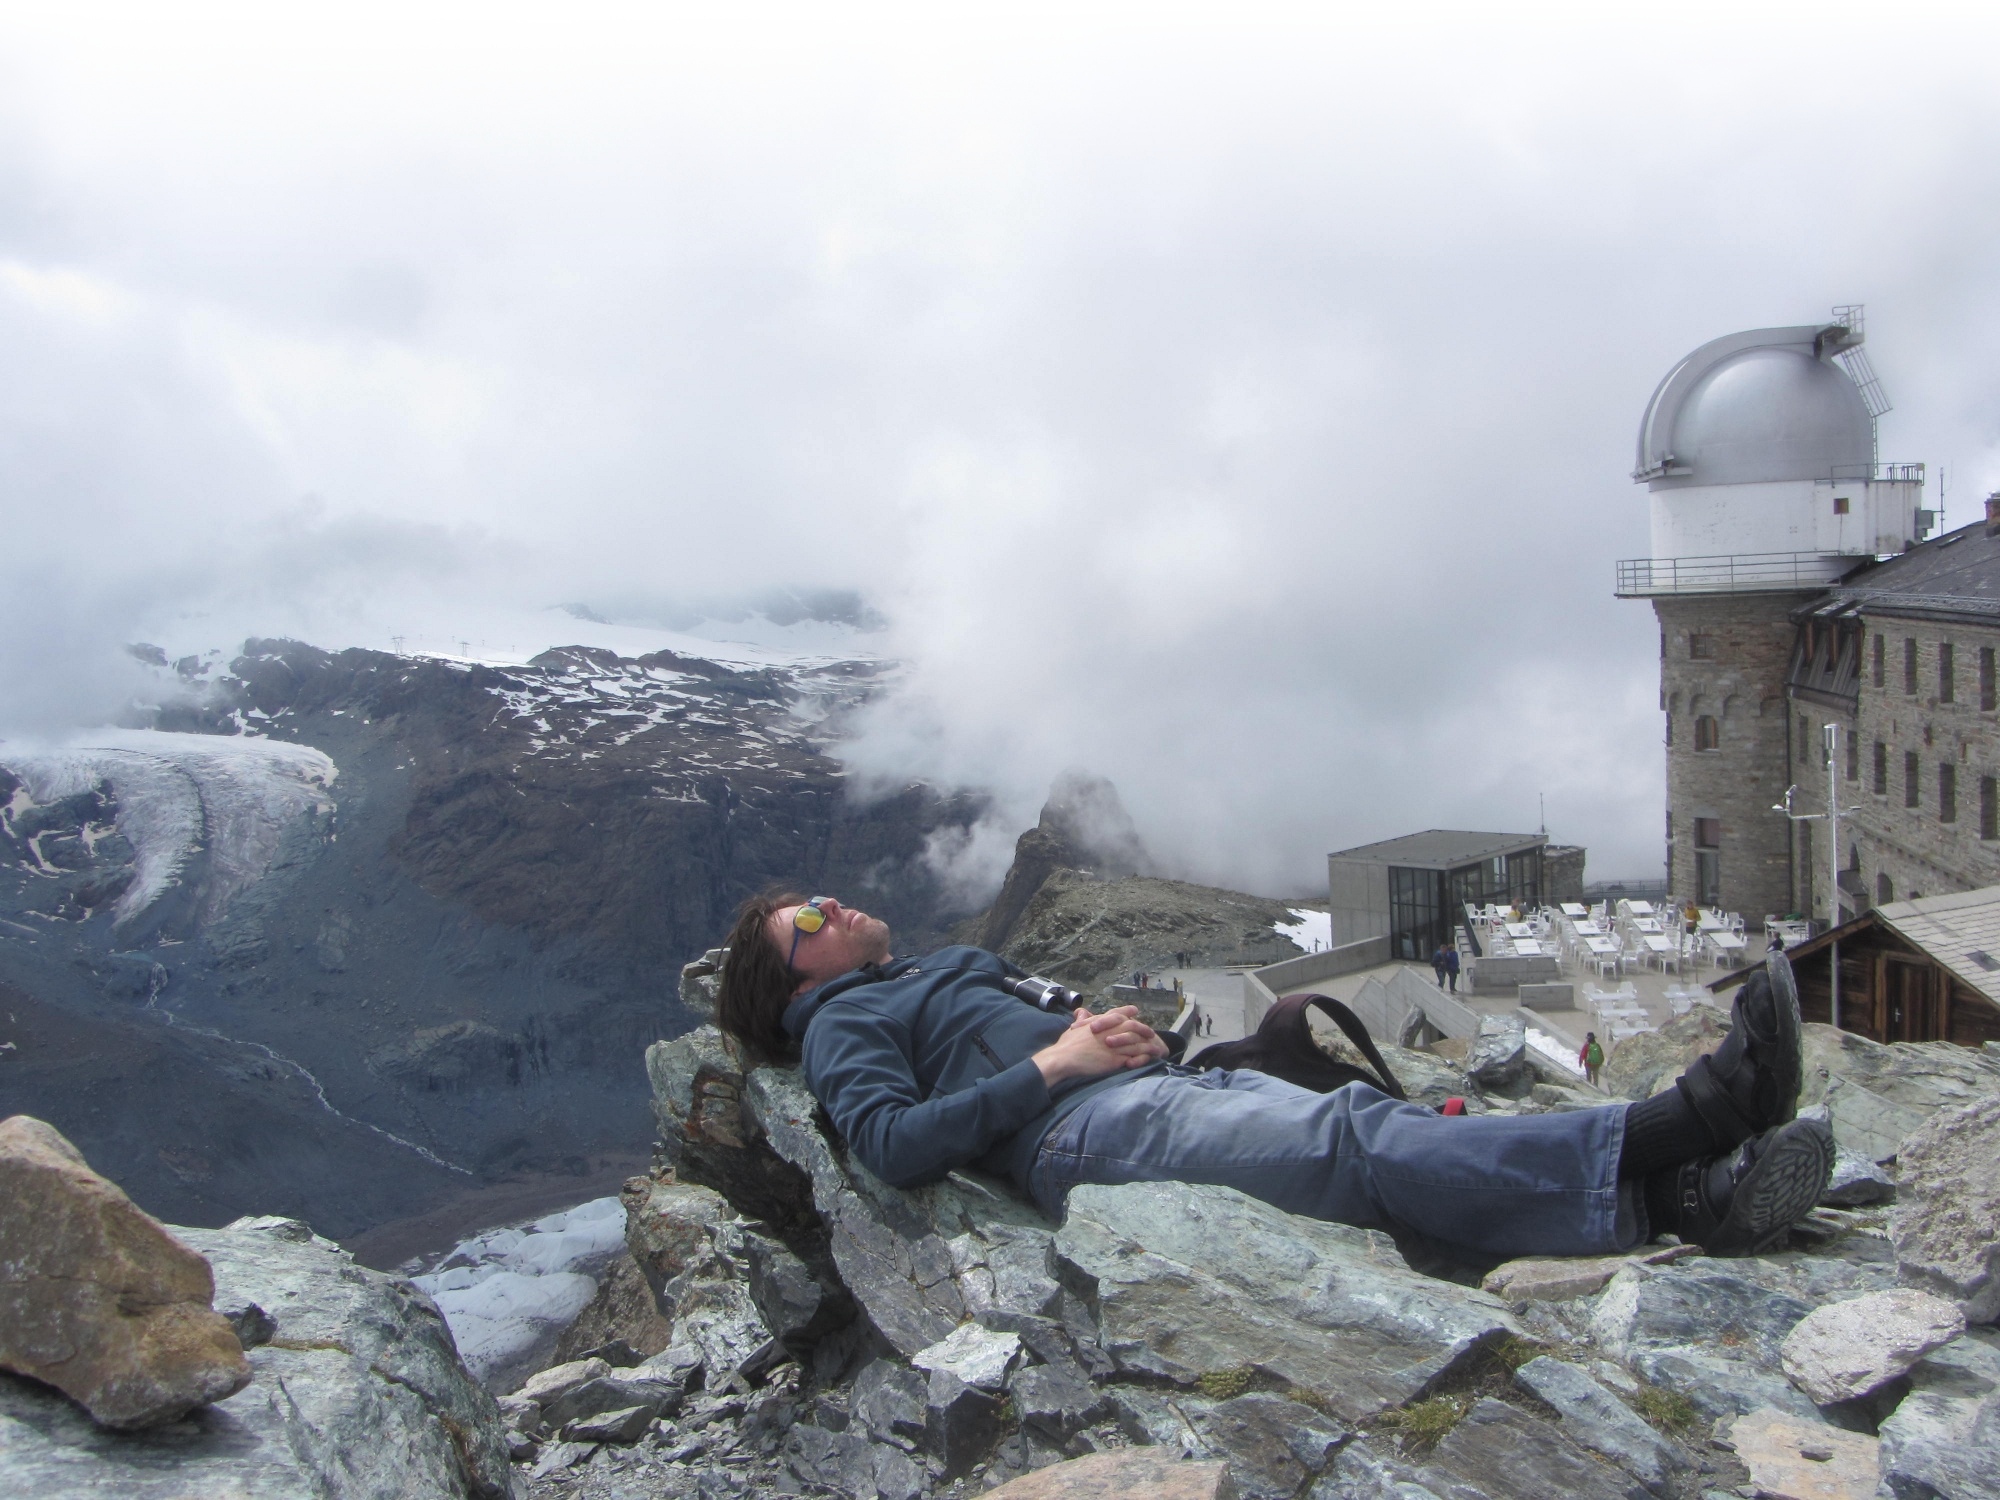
979	1041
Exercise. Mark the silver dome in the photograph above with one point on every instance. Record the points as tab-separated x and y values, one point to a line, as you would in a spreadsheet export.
1767	404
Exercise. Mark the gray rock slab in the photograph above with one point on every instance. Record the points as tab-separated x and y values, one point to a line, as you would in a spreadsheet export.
1877	1095
623	1426
1505	1454
1498	1056
718	1316
1851	1349
660	1395
889	1401
961	1422
1188	1281
1055	1401
1943	1439
1275	1447
360	1392
1593	1418
893	1249
1359	1472
1947	1220
1857	1182
848	1464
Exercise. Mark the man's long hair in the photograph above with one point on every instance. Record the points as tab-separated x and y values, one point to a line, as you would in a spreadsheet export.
756	982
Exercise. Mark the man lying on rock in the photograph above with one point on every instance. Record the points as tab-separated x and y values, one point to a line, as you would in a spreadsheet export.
927	1064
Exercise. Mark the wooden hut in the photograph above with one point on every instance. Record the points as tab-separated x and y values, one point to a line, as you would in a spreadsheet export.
1912	971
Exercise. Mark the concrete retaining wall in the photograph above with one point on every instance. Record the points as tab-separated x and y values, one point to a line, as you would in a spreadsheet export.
1261	987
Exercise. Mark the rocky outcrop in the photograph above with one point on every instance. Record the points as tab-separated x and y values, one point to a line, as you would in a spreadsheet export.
97	1298
357	1391
1948	1210
1877	1094
1496	1062
1943	1438
1083	827
1642	1065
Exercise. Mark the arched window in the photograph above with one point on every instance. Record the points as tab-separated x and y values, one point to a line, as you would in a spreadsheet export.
1707	733
1885	890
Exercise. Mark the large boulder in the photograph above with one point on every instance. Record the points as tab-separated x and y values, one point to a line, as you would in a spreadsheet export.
359	1392
1497	1061
1642	1065
1947	1220
1851	1349
1944	1436
97	1298
1188	1282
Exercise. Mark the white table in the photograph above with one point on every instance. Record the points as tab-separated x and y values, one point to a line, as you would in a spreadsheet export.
1661	944
1726	942
1603	947
1588	929
1647	924
1527	947
1519	930
1712	923
1574	910
1639	908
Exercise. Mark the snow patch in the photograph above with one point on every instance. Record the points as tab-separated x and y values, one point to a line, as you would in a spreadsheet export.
508	1294
1311	933
1554	1050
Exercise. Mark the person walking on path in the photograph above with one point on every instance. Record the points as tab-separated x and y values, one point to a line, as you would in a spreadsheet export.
1590	1055
1437	964
1451	968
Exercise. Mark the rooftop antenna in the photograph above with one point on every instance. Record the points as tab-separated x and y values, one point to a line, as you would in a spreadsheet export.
1542	801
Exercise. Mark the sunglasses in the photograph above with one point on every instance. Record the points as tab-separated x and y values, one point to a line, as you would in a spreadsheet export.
808	918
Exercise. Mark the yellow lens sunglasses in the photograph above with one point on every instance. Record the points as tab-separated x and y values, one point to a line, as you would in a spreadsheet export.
808	918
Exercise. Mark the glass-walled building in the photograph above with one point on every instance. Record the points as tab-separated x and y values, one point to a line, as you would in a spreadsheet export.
1415	889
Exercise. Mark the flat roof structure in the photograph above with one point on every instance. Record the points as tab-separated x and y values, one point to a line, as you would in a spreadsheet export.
1442	848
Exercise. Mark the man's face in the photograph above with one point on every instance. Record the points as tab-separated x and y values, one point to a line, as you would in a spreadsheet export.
848	940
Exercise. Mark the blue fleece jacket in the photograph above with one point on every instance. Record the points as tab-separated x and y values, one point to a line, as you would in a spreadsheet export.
924	1065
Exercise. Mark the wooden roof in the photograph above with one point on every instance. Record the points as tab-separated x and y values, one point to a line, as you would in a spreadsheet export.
1960	933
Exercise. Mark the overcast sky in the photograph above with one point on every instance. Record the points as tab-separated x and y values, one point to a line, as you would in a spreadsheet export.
1237	402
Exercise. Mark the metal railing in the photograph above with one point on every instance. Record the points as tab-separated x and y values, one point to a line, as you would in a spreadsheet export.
1749	573
1879	473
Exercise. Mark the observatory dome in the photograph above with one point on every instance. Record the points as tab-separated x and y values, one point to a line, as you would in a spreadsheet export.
1768	406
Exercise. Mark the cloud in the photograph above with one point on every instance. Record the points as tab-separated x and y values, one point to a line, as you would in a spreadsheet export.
1237	403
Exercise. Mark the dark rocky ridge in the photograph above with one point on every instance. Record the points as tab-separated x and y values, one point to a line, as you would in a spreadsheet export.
448	977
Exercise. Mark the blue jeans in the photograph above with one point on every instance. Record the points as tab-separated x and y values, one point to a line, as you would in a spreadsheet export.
1485	1184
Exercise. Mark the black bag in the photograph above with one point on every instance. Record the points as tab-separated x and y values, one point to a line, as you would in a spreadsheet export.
1283	1046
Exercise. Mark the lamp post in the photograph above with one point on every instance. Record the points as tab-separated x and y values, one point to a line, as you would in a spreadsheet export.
1830	739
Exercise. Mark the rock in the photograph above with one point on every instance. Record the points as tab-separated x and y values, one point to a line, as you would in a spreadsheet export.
1802	1460
1947	1220
1056	1402
1876	1095
253	1325
796	1306
623	1314
1122	1474
1642	1065
667	1226
1275	1448
1497	1061
1562	1278
552	1384
1857	1182
889	1402
1943	1439
1004	1276
849	1464
975	1355
1709	1334
1854	1348
519	1415
1328	1308
718	1317
697	1081
98	1299
506	1323
659	1395
558	1456
961	1422
624	1426
521	1447
680	1361
894	1250
1595	1419
1504	1454
361	1393
698	984
1358	1472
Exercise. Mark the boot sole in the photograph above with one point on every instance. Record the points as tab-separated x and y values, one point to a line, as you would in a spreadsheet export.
1777	1192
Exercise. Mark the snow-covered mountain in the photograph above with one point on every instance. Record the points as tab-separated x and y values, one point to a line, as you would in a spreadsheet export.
348	932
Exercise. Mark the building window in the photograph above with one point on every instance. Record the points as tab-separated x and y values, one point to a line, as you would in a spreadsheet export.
1989	808
1707	733
1701	647
1881	769
1945	684
1986	701
1878	661
1947	792
1885	890
1853	757
1912	789
1840	505
1910	665
1708	861
1805	738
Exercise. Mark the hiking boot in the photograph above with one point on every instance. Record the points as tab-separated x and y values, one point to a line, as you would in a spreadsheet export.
1750	1083
1746	1201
